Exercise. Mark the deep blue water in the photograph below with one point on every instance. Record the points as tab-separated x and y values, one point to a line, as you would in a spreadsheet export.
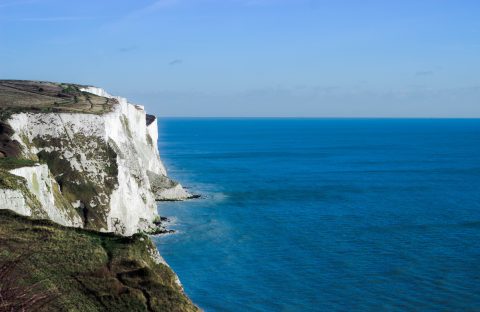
326	214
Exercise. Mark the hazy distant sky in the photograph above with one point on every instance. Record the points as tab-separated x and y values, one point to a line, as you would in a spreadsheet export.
357	58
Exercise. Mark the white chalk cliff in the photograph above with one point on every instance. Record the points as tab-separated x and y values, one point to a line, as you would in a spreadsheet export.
99	171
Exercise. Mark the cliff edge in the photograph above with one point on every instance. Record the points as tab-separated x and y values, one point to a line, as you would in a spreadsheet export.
81	157
75	162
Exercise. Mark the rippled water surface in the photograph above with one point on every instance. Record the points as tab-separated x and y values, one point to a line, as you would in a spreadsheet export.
325	214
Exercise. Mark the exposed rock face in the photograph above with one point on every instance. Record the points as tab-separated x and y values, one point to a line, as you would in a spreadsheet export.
99	171
8	147
52	205
16	201
165	189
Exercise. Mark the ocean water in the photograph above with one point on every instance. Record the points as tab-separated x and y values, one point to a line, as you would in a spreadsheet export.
325	214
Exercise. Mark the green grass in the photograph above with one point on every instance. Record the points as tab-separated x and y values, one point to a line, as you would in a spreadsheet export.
45	97
10	181
10	163
89	271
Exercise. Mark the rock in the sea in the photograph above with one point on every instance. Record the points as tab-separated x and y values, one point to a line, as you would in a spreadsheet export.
165	189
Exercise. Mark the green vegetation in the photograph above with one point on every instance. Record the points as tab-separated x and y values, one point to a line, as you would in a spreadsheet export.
10	181
7	111
10	163
45	97
71	89
87	271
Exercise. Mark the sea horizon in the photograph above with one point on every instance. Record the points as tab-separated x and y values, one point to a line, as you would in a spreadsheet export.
275	155
300	117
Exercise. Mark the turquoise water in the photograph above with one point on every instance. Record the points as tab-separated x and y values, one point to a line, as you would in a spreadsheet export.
325	214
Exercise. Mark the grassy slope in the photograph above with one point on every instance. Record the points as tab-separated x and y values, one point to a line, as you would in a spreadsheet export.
89	271
10	163
38	96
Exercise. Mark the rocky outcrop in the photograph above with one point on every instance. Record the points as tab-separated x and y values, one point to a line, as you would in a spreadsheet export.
165	189
51	204
100	171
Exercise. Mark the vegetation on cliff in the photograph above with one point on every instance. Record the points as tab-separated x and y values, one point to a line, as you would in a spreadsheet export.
60	167
68	269
40	96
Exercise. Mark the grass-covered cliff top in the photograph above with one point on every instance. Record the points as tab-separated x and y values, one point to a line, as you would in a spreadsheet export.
55	268
39	96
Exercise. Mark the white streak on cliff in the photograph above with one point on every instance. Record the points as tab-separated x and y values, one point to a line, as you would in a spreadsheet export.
42	186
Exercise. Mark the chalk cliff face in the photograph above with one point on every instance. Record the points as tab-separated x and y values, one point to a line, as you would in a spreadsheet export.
98	171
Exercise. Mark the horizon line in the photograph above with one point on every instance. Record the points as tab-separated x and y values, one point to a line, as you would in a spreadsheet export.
303	117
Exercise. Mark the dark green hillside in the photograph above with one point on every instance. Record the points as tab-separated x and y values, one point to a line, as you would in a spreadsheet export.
65	269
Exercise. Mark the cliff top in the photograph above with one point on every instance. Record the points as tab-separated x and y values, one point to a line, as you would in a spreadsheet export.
41	96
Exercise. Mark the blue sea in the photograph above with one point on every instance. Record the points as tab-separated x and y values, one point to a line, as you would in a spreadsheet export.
325	214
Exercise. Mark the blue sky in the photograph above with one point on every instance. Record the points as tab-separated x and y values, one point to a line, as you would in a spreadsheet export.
308	58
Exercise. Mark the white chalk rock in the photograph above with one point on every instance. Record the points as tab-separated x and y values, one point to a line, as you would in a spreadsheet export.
110	156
